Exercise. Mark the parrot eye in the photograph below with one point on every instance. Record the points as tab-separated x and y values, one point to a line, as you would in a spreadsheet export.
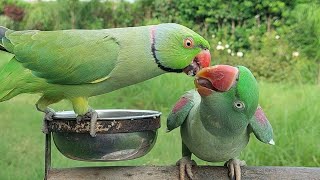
239	105
188	43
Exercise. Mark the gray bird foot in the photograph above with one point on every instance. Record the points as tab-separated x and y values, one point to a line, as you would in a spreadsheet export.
93	116
234	166
185	164
49	113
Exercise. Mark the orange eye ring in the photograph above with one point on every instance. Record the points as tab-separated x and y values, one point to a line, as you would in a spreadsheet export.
188	43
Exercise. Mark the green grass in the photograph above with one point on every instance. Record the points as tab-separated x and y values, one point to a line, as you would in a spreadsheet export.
293	111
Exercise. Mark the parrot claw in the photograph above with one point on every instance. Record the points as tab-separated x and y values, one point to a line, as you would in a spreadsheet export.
93	122
49	113
93	116
234	166
185	164
79	119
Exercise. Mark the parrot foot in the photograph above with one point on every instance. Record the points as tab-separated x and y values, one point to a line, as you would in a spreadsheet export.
185	164
93	116
234	166
49	113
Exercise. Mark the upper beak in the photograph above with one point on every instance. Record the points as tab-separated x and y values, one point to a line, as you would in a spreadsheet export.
218	78
202	60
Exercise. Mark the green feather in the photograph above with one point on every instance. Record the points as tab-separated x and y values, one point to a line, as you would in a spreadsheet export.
247	90
261	127
66	57
181	110
170	43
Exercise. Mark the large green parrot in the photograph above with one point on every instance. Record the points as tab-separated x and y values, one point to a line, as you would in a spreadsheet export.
77	64
217	118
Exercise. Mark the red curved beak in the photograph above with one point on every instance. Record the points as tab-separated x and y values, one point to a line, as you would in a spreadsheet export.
202	60
219	78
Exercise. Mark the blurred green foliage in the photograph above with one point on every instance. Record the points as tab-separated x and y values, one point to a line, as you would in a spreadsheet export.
279	39
271	60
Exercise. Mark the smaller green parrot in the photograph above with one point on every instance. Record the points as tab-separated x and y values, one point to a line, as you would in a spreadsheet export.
217	118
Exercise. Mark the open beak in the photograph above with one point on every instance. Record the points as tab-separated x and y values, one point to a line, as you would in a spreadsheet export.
219	78
202	60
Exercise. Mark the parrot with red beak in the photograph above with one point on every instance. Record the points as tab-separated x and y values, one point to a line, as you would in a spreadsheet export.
217	118
77	64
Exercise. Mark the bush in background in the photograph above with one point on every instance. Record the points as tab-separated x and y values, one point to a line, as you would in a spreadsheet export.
278	40
273	60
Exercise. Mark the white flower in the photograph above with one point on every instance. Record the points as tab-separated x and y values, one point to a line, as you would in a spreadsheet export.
240	54
277	37
219	42
229	51
227	46
295	54
213	36
220	47
232	54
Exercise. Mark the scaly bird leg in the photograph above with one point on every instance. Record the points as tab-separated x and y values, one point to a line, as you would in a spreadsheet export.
93	116
42	105
49	113
185	163
81	107
234	166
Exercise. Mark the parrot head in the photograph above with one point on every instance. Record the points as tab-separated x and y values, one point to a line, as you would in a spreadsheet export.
231	93
177	48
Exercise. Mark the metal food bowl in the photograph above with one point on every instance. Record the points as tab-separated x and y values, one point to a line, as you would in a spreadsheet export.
121	134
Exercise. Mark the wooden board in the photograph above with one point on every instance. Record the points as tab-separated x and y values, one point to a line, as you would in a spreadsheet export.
171	173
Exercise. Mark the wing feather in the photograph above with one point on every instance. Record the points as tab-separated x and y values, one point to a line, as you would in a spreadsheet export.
65	57
180	111
261	127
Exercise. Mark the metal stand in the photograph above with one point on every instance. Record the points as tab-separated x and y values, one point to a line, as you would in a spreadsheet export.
121	135
47	151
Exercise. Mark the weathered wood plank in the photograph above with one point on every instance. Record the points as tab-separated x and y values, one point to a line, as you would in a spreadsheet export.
171	173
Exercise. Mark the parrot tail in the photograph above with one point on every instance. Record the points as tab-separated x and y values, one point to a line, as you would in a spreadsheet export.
12	73
14	79
8	76
10	70
5	57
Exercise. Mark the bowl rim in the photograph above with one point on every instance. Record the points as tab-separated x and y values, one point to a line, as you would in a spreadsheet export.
69	115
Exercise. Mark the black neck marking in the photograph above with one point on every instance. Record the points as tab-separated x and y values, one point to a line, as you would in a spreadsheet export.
153	50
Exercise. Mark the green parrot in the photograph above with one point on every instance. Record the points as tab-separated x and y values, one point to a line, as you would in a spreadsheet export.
217	118
78	64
